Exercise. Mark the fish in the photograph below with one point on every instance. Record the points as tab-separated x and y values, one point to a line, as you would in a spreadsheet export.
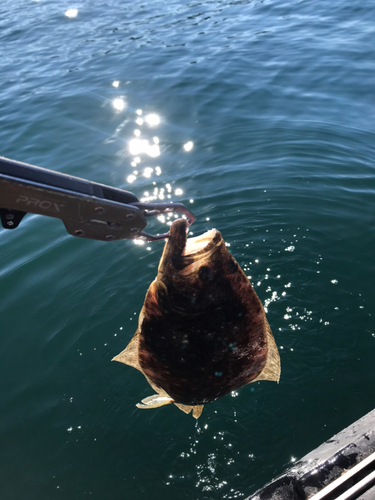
202	331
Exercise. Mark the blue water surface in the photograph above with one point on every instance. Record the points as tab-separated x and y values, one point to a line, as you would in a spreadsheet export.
258	116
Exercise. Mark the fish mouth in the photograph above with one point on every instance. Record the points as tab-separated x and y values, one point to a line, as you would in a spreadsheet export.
184	254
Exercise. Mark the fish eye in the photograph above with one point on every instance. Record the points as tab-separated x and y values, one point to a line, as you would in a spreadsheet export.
232	266
205	273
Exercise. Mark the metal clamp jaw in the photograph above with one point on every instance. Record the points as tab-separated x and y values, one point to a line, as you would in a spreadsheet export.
87	209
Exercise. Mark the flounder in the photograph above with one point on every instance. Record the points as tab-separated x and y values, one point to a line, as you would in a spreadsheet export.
202	330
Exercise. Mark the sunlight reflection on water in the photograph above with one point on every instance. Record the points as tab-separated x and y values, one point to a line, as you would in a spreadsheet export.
118	104
71	13
209	460
144	148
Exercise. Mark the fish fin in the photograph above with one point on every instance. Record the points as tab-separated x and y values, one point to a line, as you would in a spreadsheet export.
154	401
129	356
197	410
271	370
184	408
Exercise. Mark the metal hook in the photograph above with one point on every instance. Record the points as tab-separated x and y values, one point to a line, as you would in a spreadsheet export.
155	209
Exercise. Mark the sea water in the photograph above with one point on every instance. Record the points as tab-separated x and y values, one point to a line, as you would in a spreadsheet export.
259	117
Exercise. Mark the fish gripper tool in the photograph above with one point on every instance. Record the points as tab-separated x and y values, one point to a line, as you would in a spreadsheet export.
87	209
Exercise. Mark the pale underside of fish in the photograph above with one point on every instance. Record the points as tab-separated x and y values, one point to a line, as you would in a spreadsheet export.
202	331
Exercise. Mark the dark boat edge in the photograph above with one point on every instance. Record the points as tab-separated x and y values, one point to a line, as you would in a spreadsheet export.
321	473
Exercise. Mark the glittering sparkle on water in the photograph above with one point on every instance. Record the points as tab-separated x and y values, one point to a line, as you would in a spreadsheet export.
152	119
118	104
131	178
71	13
188	146
147	172
139	146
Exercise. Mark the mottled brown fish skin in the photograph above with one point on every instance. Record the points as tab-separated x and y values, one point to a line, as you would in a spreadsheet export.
203	332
